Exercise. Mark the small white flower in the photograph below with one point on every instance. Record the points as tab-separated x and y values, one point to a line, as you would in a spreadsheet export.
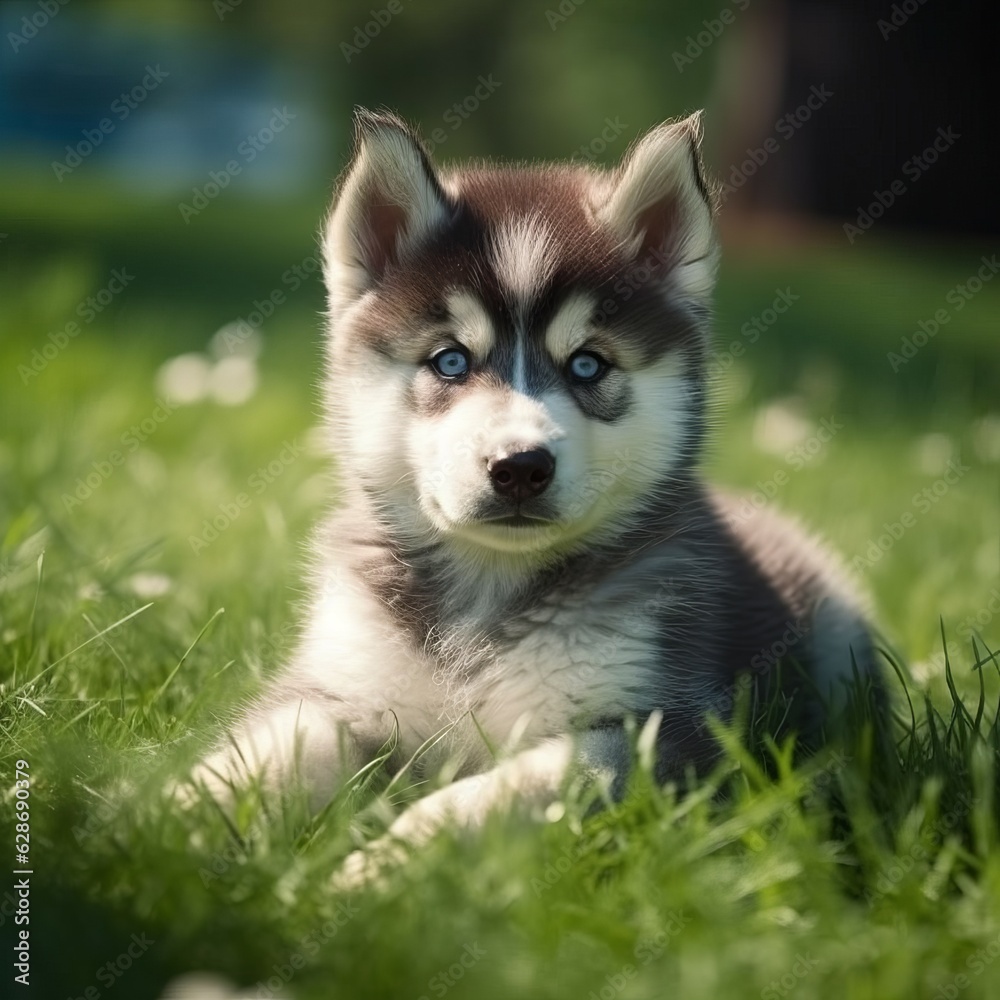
236	339
933	452
233	380
148	584
986	438
780	426
184	379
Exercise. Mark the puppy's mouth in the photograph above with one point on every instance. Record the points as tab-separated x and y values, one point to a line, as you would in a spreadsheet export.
518	521
514	530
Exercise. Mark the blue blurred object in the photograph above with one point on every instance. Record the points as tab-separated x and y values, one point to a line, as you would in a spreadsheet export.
156	107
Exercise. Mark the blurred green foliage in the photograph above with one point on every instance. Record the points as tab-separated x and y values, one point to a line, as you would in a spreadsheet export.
563	66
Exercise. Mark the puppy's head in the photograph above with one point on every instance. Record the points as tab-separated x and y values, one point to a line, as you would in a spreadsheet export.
517	353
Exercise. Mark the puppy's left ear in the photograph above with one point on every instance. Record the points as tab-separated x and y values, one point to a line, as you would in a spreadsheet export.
661	209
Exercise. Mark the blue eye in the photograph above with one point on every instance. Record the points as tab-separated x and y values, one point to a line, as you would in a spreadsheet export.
451	363
587	367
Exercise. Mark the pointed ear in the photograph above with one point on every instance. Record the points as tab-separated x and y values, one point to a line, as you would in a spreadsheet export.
389	200
661	209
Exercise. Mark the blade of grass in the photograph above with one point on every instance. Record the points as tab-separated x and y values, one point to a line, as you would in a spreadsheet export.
93	638
173	673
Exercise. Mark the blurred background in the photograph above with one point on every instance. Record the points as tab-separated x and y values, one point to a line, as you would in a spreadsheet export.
163	170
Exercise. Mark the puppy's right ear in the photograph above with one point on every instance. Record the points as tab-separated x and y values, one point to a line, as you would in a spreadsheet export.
390	199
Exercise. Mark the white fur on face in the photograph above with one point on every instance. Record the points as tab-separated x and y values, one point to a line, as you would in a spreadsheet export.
569	329
524	261
450	452
646	443
376	421
472	324
523	257
604	471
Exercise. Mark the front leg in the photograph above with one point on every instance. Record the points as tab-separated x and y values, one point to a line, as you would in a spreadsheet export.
295	736
527	782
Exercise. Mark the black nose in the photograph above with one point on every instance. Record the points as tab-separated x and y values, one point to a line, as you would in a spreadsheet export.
523	474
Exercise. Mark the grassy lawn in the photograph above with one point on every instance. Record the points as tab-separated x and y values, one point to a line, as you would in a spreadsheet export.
851	875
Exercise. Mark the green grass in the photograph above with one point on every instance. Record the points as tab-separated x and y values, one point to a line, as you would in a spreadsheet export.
856	873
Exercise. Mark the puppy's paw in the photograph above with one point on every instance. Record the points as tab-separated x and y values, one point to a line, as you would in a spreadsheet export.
216	778
369	867
460	805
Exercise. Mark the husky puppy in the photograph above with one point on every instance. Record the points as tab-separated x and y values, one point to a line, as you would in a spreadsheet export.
524	555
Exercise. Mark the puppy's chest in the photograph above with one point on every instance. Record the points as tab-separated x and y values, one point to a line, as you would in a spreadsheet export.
564	663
